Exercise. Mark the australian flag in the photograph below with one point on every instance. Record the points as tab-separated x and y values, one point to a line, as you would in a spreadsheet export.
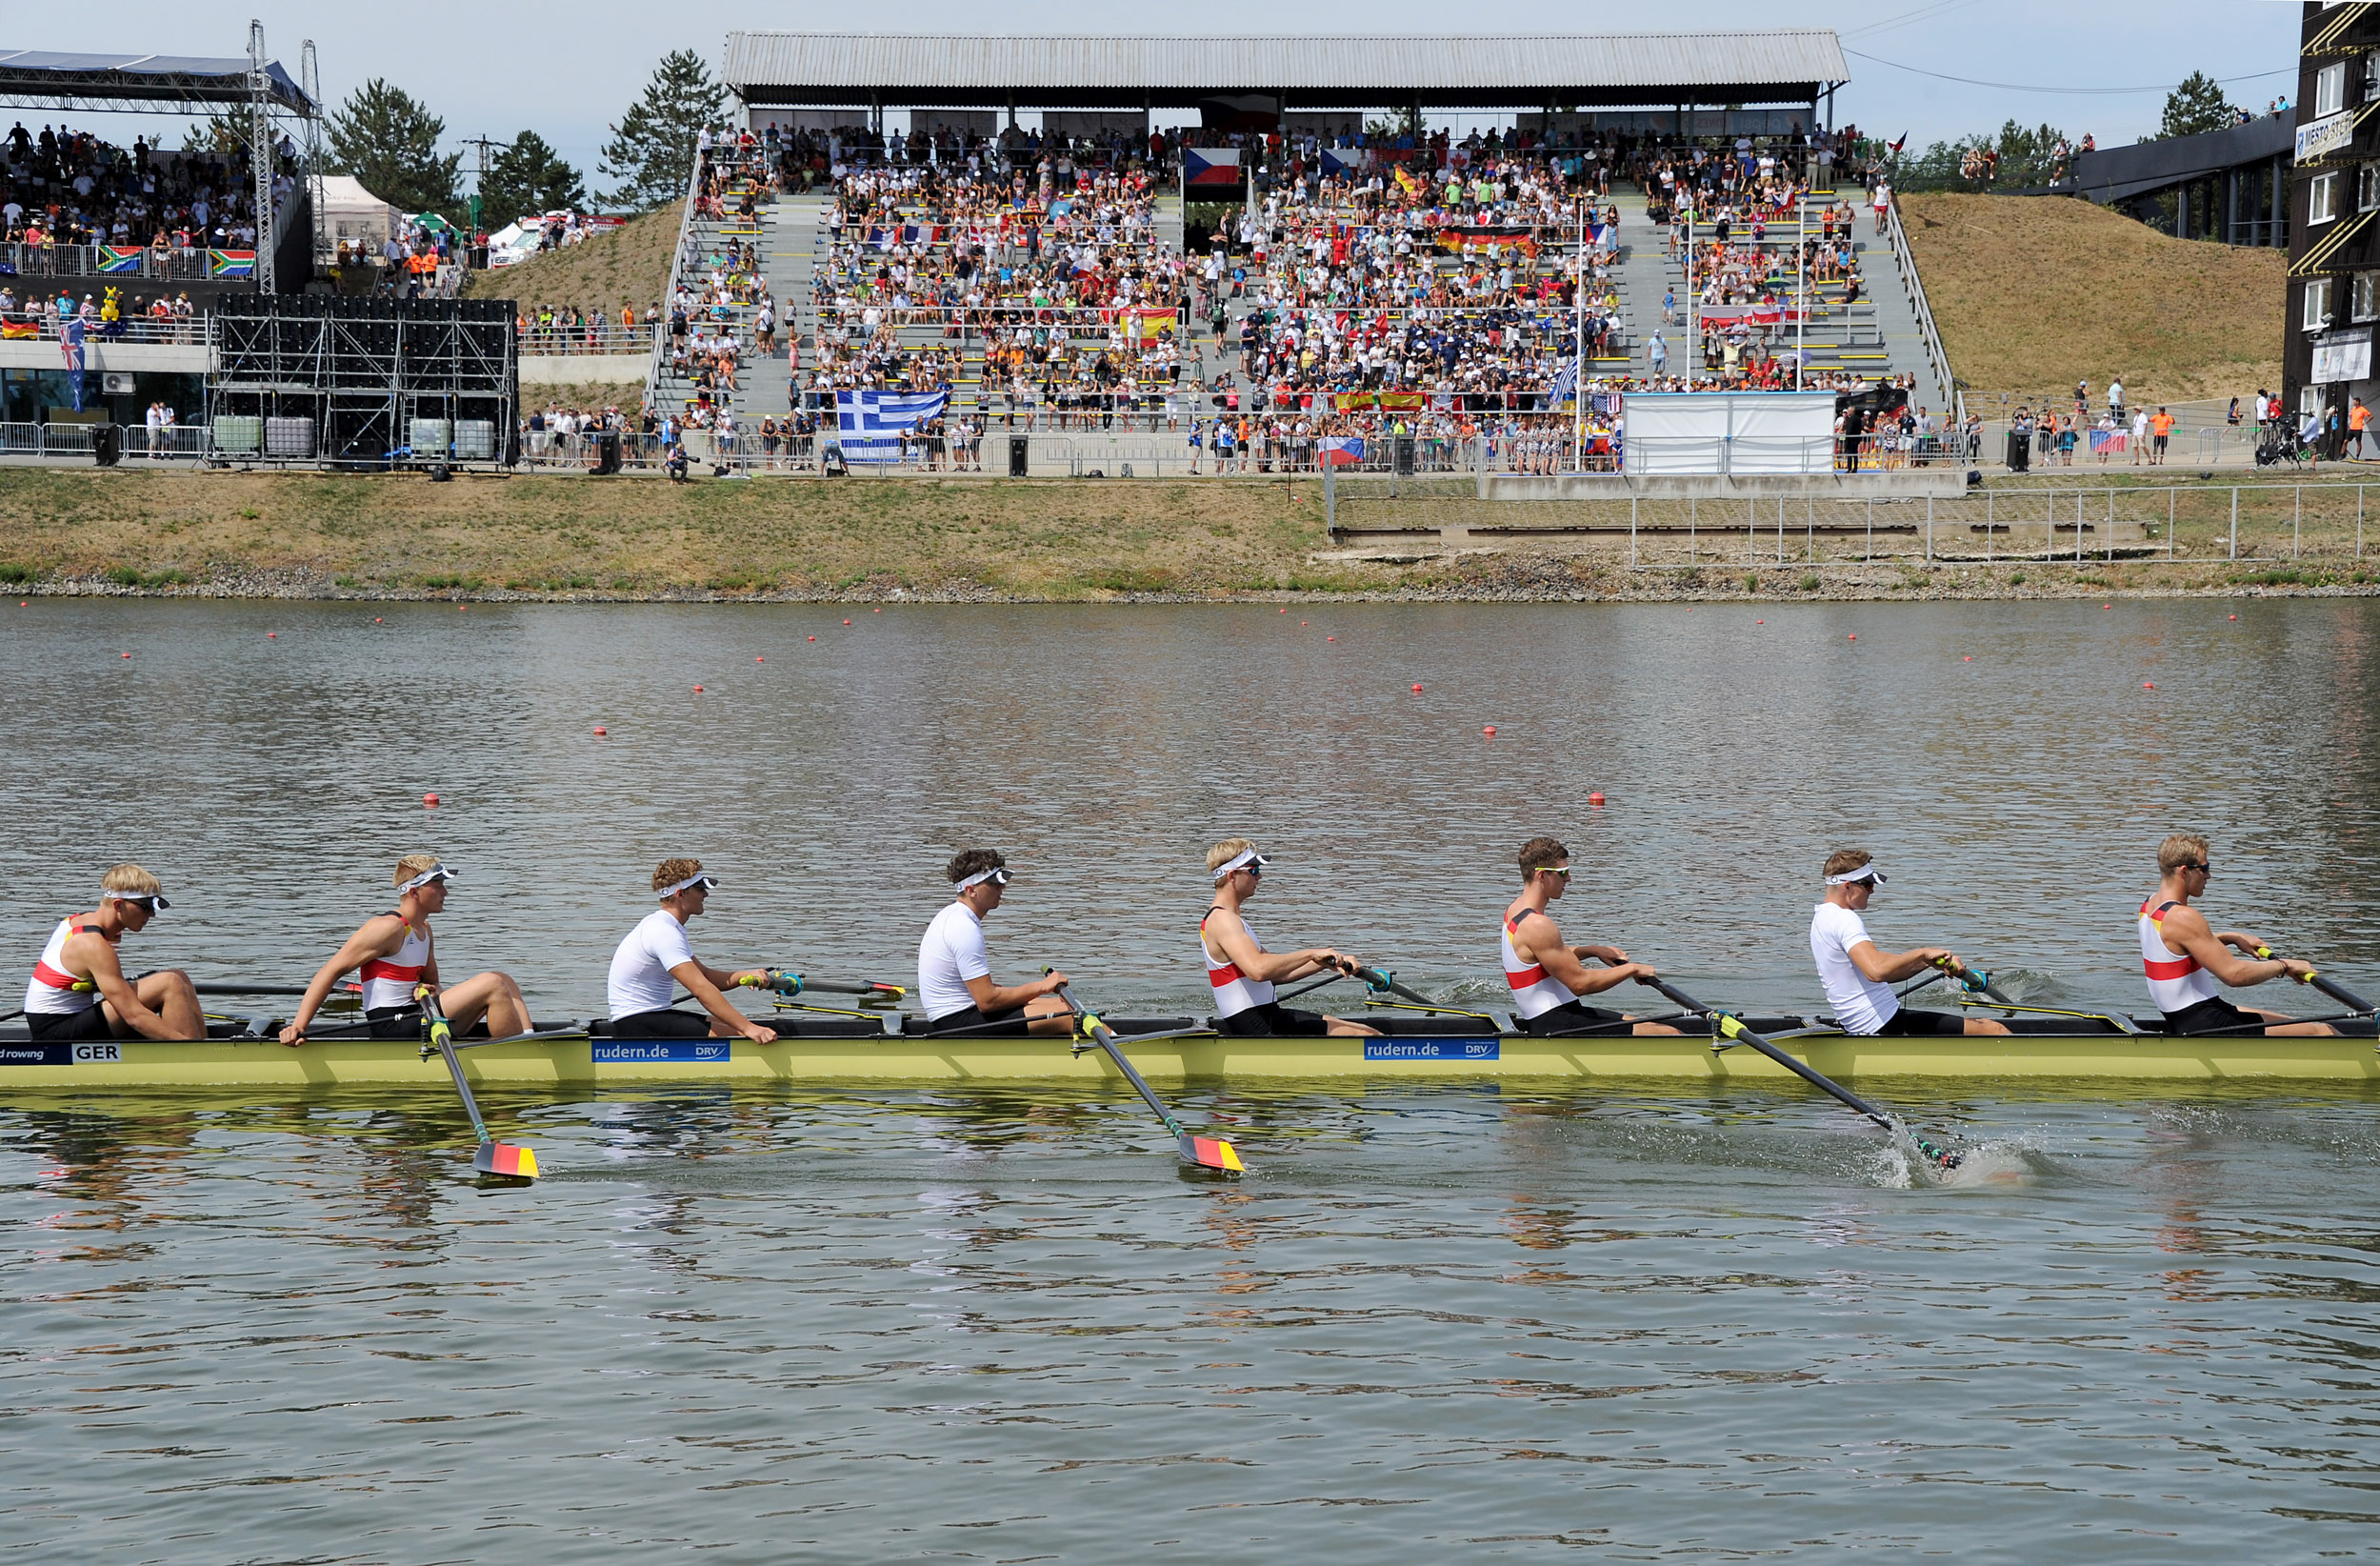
868	424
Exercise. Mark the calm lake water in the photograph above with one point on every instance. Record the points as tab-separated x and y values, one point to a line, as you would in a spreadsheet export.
1516	1322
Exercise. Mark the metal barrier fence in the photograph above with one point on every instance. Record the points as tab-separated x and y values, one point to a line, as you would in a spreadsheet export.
540	341
184	330
187	263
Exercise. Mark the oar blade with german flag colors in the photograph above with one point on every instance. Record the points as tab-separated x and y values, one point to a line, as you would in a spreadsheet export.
1212	1153
501	1160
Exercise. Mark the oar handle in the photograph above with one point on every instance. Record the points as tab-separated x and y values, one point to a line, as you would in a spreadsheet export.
786	982
2336	991
1976	980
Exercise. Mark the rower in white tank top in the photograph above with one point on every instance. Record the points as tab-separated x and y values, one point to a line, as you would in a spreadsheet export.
1234	991
2176	981
389	981
1534	990
52	993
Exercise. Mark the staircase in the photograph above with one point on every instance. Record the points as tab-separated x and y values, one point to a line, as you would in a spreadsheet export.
704	242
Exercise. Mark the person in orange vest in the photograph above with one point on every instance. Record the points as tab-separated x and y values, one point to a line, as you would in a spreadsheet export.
2161	431
2357	417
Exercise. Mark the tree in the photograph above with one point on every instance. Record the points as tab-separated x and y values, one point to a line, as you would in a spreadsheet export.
527	177
389	141
2196	105
652	150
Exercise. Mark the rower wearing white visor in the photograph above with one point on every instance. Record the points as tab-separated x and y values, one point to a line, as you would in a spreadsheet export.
955	982
393	953
1548	976
1241	973
656	957
78	988
2185	956
1858	978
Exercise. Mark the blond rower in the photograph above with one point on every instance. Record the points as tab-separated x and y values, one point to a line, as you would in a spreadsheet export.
78	988
395	954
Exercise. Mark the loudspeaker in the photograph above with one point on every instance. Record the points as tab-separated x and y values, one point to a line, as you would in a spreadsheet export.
107	444
1020	455
608	452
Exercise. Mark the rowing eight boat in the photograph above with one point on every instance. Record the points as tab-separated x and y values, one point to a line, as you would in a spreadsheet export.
894	1049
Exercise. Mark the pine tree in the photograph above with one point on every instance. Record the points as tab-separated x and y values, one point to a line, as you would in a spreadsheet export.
529	176
2196	105
652	150
389	141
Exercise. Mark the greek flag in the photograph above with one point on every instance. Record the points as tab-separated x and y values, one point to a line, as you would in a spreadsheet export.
1564	385
868	424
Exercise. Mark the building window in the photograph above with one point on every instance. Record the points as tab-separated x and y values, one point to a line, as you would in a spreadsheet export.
2372	76
2367	298
2317	303
2330	89
2368	187
2322	198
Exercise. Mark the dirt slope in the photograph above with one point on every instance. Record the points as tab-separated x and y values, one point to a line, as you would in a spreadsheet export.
629	266
2033	293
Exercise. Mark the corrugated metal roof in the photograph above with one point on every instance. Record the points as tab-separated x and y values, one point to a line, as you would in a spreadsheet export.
1480	71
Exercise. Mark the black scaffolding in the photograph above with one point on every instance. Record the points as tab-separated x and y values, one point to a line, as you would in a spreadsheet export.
364	383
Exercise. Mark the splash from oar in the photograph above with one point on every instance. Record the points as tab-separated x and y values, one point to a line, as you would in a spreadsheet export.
1733	1030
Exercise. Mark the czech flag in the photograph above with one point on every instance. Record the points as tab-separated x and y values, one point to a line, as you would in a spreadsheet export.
1210	166
1340	450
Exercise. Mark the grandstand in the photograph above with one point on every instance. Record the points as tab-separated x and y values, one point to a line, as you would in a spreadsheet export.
1351	284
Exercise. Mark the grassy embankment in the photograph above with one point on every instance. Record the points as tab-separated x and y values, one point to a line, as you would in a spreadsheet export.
627	268
317	535
2033	294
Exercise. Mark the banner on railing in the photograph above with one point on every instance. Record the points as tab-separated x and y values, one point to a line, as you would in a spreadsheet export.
869	425
115	258
1453	237
231	263
1379	402
1340	450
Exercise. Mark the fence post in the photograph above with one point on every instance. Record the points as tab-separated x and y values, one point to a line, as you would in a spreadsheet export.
2297	520
1691	516
1929	530
1809	529
1990	516
1331	501
2359	524
1751	520
2235	521
1871	558
1631	533
2111	524
2169	523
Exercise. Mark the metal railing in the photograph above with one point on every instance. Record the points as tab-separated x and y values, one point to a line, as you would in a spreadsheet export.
1935	350
609	338
181	263
182	330
176	442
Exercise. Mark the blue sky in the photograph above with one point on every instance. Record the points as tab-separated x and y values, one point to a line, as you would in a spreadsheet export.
495	68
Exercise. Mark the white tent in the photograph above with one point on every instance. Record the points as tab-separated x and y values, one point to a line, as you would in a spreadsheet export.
355	216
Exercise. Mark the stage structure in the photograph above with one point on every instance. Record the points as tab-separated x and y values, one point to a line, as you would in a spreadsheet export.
363	384
256	94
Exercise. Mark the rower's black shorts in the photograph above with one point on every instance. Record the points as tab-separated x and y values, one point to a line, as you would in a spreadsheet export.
973	1016
394	1022
1273	1020
1574	1016
662	1024
91	1022
2212	1015
1910	1023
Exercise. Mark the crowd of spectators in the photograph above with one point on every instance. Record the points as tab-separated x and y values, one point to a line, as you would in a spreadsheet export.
70	188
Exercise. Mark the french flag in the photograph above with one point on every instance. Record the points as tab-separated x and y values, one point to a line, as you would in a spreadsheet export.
1210	166
1340	450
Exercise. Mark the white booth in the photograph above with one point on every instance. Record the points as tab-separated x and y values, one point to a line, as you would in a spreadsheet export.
1732	433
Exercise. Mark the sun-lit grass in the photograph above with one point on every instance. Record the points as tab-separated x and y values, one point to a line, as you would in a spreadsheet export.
2033	294
629	266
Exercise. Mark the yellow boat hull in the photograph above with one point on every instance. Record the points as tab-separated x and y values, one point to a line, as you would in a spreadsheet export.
139	1064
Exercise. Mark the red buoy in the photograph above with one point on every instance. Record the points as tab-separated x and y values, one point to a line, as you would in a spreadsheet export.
698	689
1760	622
375	619
876	611
846	622
1330	638
430	801
599	730
1852	637
760	660
2147	685
813	639
272	636
1489	731
1970	658
2236	617
128	654
1595	799
1417	690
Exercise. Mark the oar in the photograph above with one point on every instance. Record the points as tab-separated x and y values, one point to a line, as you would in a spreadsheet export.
786	982
234	988
493	1157
1204	1151
2333	988
1387	982
1735	1032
